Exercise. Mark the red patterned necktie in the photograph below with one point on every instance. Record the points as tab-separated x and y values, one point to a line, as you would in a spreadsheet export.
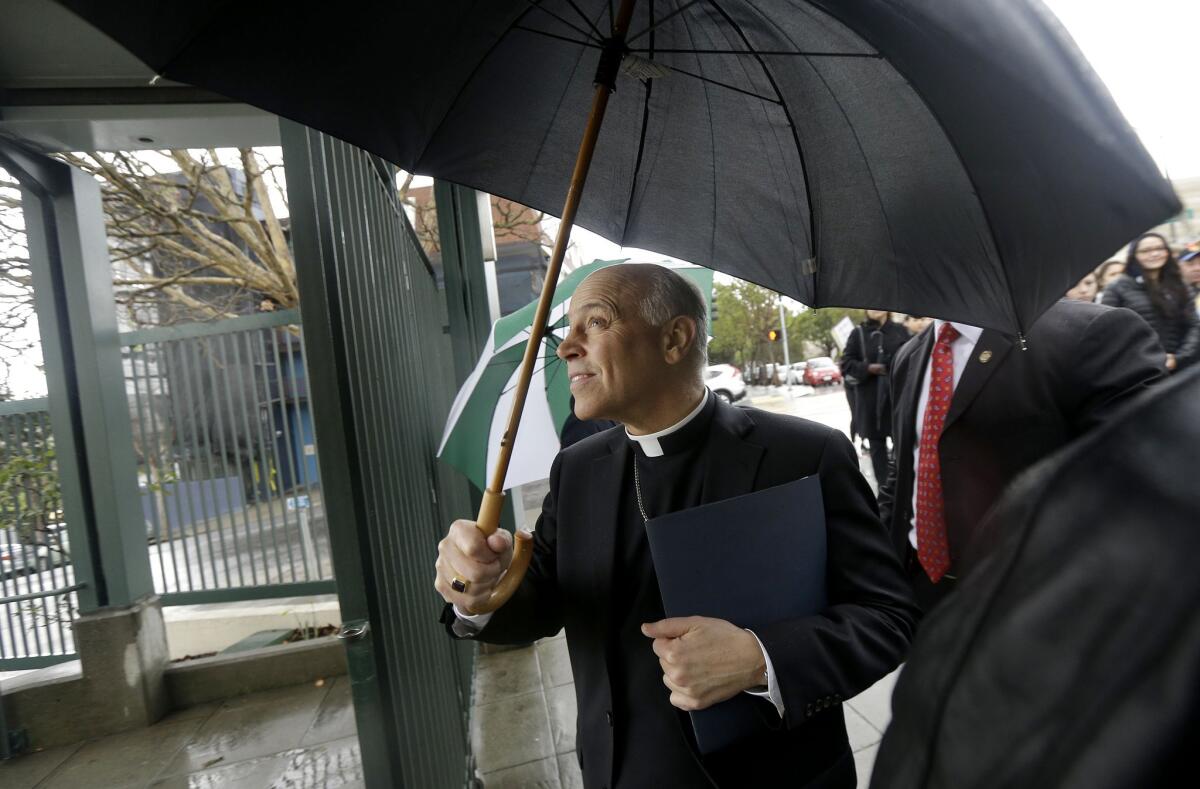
932	549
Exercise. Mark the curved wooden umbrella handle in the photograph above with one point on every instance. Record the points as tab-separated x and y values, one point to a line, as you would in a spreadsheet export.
487	522
489	512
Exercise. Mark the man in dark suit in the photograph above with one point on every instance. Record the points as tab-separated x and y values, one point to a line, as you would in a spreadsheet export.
996	409
634	353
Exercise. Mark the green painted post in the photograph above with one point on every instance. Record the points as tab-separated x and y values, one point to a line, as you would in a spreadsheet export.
466	292
462	268
89	410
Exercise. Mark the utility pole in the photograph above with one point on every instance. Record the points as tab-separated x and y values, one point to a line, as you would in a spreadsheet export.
787	362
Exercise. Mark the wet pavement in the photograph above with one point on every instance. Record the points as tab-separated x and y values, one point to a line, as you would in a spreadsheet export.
302	737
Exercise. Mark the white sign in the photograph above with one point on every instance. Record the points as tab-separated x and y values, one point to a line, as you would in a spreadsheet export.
841	332
297	503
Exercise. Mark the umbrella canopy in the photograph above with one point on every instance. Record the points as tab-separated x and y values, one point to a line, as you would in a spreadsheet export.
471	440
937	157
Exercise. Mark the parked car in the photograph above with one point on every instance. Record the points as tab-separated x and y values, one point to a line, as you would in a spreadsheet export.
725	381
796	373
56	550
13	560
822	371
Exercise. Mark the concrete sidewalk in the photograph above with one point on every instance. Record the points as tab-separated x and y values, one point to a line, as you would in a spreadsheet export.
301	737
523	719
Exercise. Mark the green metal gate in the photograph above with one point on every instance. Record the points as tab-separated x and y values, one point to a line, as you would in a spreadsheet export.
381	385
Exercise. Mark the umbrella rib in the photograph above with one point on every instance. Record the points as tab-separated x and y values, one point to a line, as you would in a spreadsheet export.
720	84
547	34
538	5
535	370
760	53
712	236
637	165
812	211
584	17
653	24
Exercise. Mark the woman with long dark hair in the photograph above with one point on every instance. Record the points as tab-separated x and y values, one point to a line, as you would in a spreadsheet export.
1153	287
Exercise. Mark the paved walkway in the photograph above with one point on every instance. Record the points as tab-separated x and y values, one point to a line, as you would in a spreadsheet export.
302	737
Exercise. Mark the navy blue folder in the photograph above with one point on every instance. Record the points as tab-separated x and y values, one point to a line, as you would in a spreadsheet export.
751	560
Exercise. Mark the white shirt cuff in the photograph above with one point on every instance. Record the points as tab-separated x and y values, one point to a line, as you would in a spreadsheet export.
772	691
477	621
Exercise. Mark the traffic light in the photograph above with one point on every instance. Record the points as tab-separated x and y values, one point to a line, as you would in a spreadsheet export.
773	335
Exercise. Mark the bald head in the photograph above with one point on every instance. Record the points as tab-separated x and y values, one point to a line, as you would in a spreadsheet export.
658	295
635	350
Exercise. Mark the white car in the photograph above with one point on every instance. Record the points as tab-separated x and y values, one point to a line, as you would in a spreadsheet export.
725	381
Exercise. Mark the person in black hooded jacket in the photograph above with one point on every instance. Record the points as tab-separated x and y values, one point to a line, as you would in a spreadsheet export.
1153	287
868	353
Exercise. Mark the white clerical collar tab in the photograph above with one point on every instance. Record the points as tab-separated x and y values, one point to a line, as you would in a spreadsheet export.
649	442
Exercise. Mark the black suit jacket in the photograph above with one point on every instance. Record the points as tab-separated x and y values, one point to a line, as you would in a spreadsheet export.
1070	658
1083	361
819	661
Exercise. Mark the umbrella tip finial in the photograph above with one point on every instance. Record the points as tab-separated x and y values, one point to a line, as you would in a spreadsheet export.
1024	346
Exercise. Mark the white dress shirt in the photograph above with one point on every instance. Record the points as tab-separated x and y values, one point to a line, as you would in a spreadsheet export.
650	445
960	350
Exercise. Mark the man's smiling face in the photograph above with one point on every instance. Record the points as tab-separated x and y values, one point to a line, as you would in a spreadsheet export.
612	354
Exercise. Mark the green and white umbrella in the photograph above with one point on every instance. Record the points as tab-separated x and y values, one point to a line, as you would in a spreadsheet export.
471	440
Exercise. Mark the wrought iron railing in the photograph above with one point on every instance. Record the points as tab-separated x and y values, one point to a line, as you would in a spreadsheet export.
227	460
37	580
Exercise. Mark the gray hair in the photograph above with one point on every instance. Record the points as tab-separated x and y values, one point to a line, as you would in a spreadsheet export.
667	294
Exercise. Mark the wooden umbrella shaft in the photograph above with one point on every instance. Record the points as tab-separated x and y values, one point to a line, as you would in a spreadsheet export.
489	512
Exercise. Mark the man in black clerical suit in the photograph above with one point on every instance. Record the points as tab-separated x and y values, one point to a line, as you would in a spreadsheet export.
1007	409
635	354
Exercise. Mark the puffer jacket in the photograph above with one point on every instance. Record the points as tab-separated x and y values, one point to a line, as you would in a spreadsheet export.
1180	336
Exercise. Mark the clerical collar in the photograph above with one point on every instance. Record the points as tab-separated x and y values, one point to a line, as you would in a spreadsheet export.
678	436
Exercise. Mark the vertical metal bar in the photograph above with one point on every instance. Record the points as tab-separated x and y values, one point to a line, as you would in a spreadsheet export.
273	433
33	577
245	505
148	453
14	540
271	336
203	402
248	435
9	536
265	451
325	554
164	542
181	492
312	564
217	362
194	451
61	575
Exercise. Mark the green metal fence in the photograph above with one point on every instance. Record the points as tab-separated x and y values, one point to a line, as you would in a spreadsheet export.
375	322
227	459
37	581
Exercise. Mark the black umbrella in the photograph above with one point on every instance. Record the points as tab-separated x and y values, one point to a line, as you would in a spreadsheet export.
937	157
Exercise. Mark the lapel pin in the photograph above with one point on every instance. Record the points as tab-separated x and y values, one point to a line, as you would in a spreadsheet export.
985	357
